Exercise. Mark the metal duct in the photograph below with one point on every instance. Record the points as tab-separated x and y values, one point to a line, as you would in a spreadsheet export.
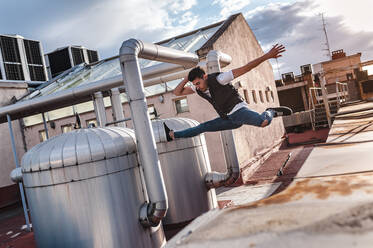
117	108
217	179
100	109
150	213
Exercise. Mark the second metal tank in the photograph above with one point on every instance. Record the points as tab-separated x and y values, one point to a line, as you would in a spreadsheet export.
184	165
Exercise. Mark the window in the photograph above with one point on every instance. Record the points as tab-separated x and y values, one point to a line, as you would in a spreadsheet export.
261	96
91	123
152	112
42	135
272	96
254	96
181	105
246	95
267	95
66	128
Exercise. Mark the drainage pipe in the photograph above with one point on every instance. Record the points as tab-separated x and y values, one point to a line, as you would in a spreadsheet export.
152	212
45	126
217	179
19	173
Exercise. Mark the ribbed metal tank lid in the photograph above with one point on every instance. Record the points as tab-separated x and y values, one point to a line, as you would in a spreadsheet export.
78	147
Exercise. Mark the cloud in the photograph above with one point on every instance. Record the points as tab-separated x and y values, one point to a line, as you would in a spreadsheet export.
229	7
105	24
298	26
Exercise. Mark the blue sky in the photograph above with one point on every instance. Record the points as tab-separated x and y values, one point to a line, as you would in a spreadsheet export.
103	25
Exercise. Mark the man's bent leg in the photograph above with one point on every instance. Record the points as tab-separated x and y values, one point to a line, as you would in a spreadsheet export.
250	117
215	125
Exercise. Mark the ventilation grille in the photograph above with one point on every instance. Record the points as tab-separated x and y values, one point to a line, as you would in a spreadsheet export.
78	55
92	56
36	73
9	48
59	61
33	52
14	72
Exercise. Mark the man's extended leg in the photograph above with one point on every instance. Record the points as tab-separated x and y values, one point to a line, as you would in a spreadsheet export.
214	125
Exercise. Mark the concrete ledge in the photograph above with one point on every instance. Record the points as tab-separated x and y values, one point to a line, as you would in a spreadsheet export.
17	85
298	118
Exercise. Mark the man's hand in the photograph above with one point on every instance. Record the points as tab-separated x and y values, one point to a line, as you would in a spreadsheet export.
275	52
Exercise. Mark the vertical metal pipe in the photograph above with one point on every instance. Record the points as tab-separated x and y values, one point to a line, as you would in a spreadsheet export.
117	107
45	126
17	166
217	179
100	109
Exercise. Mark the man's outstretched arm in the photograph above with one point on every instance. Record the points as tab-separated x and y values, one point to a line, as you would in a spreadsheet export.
274	53
181	90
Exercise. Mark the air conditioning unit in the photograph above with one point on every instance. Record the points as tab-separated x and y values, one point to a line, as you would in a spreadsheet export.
306	69
65	58
21	59
288	77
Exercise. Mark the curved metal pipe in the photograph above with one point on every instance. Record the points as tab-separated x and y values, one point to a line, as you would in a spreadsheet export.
217	179
152	212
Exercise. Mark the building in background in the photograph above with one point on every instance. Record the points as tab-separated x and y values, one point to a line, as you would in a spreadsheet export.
67	57
21	59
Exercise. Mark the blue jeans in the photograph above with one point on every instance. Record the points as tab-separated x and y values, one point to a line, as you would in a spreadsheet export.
243	116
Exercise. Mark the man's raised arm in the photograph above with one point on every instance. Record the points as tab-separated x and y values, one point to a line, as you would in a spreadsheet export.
181	90
274	53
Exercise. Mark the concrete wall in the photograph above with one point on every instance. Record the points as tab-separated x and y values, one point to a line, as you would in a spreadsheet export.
7	91
239	42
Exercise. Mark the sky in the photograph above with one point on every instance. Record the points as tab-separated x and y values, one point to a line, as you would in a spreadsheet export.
104	25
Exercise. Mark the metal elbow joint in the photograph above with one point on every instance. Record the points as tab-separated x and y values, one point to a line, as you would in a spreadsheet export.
217	179
151	214
16	175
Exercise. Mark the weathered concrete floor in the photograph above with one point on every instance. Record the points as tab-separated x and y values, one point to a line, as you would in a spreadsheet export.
329	202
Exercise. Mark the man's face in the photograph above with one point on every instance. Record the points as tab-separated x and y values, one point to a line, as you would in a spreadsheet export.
200	83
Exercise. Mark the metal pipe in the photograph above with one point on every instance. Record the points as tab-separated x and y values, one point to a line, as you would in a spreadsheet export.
45	126
152	212
79	94
117	108
100	109
217	179
118	121
17	166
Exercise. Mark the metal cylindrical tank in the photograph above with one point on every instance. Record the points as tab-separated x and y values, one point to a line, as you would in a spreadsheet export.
184	163
85	189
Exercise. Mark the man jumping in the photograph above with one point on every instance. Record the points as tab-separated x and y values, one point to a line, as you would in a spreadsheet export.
217	89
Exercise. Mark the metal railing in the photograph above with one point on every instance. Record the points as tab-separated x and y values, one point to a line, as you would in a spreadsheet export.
342	92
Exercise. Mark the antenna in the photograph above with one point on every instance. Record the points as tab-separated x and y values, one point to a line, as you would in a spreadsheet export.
327	49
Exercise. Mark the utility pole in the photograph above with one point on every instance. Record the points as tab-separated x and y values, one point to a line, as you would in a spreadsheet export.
326	37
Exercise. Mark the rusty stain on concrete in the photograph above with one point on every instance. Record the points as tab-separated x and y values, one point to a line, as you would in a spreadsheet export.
320	189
